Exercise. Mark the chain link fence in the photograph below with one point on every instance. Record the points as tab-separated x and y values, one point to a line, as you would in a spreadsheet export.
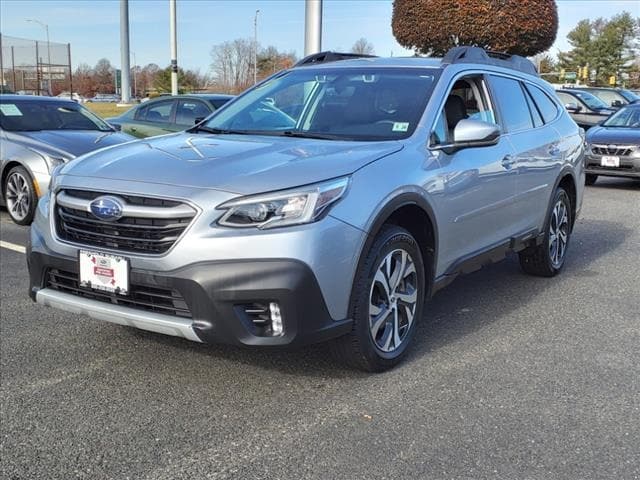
34	67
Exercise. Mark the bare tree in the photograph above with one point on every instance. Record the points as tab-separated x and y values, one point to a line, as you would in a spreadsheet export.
232	65
362	47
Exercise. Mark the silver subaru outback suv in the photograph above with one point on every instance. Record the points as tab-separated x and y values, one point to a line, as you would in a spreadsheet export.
329	202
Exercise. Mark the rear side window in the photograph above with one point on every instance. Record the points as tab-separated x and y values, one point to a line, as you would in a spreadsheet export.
513	104
157	113
547	107
535	114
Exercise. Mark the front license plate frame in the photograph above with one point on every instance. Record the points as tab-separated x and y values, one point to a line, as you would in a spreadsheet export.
105	272
609	161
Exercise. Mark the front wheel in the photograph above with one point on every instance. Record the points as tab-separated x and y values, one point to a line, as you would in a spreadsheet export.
386	302
20	196
547	259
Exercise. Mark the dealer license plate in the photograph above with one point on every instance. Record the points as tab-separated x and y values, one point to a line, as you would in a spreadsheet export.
610	161
103	271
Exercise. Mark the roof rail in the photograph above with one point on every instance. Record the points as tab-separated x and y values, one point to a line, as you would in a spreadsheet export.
470	54
325	57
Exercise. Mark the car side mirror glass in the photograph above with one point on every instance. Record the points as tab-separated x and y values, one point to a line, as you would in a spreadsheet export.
573	107
616	103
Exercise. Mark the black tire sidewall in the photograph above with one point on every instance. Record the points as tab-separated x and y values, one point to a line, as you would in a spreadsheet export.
390	238
33	198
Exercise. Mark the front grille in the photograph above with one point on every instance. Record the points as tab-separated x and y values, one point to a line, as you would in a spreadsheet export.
141	297
617	150
153	232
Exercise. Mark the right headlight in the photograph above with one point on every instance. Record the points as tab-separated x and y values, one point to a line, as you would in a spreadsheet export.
292	207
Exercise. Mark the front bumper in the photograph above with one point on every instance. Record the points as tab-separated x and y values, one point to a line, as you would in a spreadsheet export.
629	166
216	294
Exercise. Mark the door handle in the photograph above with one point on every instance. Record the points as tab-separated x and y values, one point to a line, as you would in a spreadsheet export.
508	161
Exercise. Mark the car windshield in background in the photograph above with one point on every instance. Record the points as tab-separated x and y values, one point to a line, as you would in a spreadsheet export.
32	115
628	117
593	102
334	104
629	96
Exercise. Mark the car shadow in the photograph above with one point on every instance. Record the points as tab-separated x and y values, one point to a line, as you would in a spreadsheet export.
471	303
613	183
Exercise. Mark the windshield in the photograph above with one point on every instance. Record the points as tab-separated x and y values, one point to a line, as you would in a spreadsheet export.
628	117
33	115
331	103
593	102
629	95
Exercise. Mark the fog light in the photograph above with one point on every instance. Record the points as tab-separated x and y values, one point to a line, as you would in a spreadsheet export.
277	328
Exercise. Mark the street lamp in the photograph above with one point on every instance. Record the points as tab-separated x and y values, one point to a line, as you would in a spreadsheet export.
255	47
46	28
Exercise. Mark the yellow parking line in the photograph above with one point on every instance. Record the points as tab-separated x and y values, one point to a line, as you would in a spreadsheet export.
12	246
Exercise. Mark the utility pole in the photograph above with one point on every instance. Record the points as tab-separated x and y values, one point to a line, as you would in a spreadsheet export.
174	47
46	28
312	26
125	84
255	48
135	83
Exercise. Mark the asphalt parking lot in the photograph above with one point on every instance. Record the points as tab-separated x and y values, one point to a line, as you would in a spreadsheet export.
511	377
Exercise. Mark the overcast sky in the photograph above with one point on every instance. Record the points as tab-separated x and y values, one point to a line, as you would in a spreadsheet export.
92	26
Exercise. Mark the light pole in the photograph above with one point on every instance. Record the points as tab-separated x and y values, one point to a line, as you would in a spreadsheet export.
46	28
312	26
174	47
135	82
125	72
255	47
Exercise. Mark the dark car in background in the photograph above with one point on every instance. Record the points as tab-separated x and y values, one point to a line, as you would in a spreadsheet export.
614	97
37	134
614	146
168	114
585	108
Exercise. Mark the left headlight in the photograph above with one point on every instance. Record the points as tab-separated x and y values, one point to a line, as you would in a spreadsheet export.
292	207
54	174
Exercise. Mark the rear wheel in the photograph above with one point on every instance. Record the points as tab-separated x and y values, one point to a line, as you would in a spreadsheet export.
590	179
547	259
387	299
20	195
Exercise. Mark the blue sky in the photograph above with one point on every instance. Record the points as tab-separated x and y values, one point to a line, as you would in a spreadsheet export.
92	27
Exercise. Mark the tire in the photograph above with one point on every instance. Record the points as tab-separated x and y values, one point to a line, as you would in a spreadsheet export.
547	259
20	195
590	179
378	346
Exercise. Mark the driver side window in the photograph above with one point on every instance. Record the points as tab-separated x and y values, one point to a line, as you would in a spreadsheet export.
467	99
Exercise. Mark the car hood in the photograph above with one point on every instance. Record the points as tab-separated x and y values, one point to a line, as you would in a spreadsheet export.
233	163
70	143
614	135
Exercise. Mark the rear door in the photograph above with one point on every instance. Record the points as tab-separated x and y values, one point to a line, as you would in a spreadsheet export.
154	118
527	114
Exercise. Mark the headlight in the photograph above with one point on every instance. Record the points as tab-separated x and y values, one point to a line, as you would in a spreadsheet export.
292	207
54	175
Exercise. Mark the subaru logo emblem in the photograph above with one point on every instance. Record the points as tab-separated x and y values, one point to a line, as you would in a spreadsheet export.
106	208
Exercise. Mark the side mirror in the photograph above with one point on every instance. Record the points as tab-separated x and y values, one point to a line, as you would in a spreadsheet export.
472	133
116	126
573	107
616	104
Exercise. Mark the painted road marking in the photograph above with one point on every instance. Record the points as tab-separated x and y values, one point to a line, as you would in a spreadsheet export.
12	246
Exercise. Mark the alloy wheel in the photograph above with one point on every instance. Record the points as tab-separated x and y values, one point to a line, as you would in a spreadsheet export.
558	233
393	300
18	196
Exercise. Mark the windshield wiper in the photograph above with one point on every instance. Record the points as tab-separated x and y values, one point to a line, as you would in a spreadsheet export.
219	131
319	136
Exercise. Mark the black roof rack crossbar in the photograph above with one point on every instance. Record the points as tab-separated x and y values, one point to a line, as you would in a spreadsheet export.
469	54
325	57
